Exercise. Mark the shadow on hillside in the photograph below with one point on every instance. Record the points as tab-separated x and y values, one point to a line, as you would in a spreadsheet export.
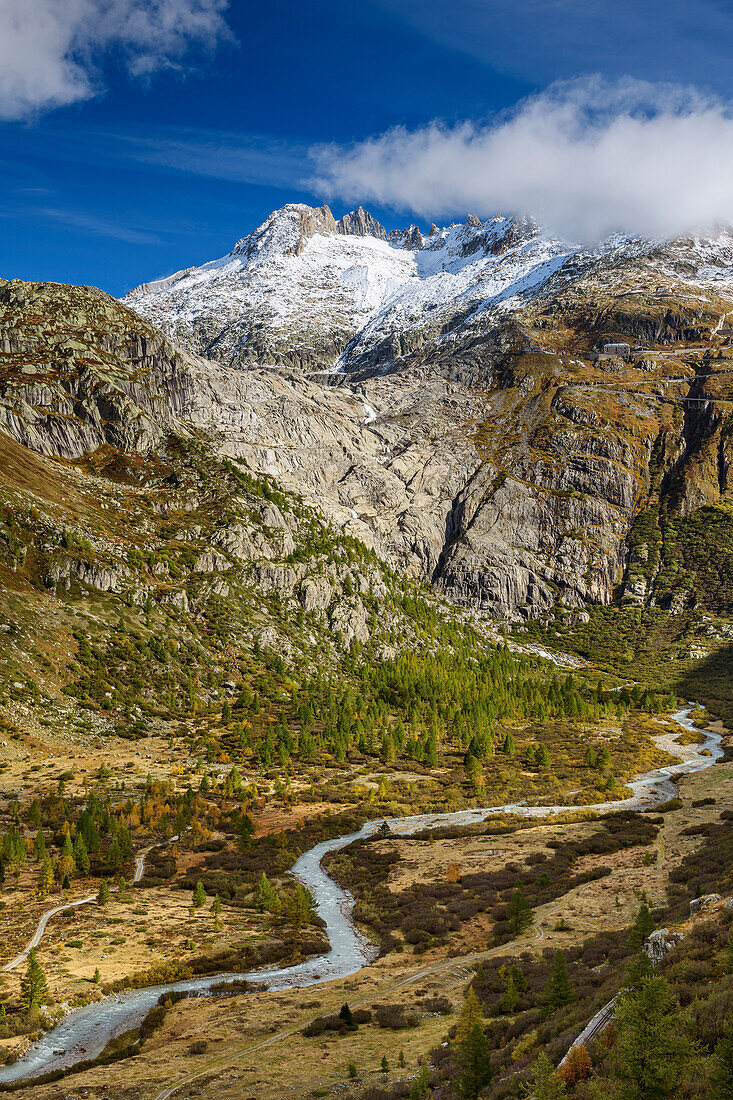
710	682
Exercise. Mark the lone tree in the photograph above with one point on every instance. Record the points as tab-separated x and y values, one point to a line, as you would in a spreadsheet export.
519	913
300	907
474	1060
103	893
199	895
544	1083
470	1015
558	991
642	927
33	987
652	1052
346	1016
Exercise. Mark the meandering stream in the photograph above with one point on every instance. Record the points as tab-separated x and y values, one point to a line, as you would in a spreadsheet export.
84	1033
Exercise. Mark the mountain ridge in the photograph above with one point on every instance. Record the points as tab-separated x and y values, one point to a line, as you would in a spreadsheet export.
494	451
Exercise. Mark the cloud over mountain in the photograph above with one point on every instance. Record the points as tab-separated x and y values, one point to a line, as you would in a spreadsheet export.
588	157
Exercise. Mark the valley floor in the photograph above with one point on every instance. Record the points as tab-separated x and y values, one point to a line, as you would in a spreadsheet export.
255	1047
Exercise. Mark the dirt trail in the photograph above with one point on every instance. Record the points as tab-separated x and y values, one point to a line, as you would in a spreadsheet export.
46	917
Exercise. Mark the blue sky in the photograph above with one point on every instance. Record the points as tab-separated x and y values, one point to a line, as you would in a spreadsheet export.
134	144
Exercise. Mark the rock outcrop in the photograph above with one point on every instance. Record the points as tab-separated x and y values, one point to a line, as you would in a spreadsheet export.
360	223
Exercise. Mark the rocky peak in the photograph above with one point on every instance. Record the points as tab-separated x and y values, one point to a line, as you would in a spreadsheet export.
410	238
360	223
286	231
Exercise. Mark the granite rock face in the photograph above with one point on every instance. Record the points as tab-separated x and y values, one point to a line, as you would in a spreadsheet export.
360	223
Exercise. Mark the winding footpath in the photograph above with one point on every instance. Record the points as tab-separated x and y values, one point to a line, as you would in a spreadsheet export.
46	917
85	1032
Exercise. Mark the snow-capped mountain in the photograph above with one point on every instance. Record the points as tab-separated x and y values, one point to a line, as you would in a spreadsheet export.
307	290
478	434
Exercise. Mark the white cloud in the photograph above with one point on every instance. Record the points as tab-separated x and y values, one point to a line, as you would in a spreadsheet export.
587	158
51	50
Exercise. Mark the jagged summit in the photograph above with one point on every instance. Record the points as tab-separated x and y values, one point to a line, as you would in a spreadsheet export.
303	287
310	291
289	229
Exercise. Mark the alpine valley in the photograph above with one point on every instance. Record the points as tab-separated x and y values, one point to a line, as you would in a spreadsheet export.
355	590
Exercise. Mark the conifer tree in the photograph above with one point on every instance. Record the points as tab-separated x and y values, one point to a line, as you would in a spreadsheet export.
721	1066
387	750
603	757
45	878
66	866
474	1061
651	1050
542	756
299	907
114	856
103	893
81	856
39	845
643	926
33	987
470	1014
519	913
543	1083
421	1085
558	991
576	1067
510	999
520	982
267	899
199	895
